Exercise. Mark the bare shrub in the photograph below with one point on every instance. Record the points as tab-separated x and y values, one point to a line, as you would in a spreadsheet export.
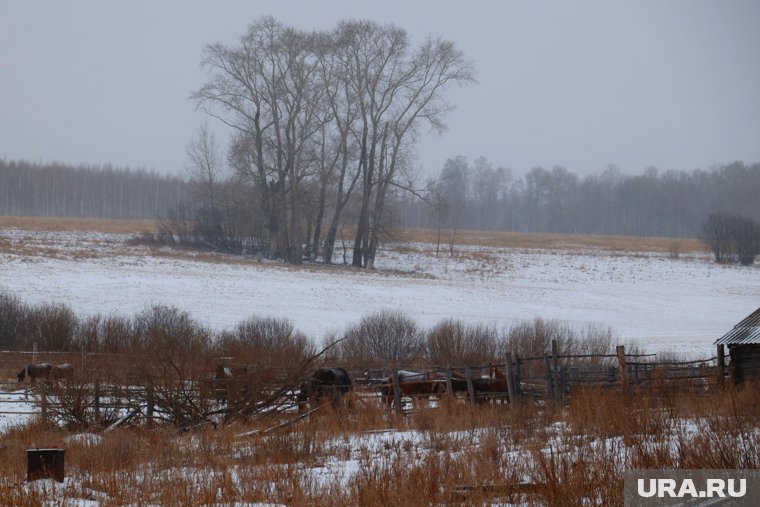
532	339
382	338
452	342
12	317
731	237
110	333
267	358
51	327
171	352
267	339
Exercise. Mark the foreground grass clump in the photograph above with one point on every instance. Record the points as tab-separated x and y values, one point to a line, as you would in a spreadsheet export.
523	452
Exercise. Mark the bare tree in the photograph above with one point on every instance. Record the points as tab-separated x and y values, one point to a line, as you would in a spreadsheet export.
205	167
268	89
398	90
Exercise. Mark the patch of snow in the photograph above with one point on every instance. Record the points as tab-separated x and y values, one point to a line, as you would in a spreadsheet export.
659	303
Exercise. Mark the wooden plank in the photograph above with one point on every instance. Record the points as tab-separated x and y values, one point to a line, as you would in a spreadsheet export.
620	349
548	377
397	391
470	385
449	384
510	377
721	364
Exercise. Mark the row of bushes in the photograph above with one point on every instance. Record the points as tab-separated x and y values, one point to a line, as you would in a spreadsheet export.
380	339
388	337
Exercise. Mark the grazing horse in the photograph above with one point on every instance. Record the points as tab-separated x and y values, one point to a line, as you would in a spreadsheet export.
62	372
332	383
412	383
35	371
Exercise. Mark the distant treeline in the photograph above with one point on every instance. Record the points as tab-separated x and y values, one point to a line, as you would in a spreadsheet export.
656	203
87	191
464	195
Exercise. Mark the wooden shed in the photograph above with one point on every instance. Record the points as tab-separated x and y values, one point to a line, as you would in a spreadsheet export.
743	343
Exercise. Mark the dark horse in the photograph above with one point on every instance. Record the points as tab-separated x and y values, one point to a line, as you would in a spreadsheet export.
62	372
413	384
47	372
35	371
329	383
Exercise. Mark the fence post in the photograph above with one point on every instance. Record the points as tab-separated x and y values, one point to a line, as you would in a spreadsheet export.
43	401
510	377
150	403
620	350
97	401
470	385
721	364
555	366
548	375
449	386
397	391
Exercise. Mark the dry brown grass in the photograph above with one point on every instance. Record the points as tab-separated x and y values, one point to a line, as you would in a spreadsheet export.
547	241
572	455
115	226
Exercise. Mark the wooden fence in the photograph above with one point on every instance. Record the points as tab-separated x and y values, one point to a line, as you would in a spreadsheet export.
551	377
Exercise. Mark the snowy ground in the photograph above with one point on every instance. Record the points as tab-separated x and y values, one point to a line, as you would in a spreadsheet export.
660	303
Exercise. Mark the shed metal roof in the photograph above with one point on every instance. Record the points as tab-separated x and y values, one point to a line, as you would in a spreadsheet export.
746	332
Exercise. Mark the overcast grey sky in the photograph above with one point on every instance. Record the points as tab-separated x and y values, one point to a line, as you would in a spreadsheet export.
581	84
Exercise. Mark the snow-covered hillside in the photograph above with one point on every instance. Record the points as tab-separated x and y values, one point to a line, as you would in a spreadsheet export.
661	303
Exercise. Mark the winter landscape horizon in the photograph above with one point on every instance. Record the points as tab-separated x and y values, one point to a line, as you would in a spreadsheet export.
675	302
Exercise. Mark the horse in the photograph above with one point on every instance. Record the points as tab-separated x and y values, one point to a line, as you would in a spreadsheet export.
35	371
412	383
61	372
332	383
496	382
220	384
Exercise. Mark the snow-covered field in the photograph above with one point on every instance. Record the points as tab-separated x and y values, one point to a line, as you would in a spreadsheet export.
661	303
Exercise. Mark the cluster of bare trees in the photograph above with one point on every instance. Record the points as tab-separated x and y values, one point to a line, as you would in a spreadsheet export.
319	119
477	195
731	237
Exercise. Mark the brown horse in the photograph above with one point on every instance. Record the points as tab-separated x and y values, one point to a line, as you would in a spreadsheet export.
62	372
35	371
47	372
413	384
497	380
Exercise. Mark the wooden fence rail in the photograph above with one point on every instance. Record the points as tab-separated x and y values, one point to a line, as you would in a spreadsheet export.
553	377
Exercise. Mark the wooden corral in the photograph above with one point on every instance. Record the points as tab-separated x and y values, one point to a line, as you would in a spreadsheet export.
111	390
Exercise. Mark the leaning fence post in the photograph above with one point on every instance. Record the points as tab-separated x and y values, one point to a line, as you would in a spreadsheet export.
510	377
548	375
620	350
470	385
721	364
397	391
